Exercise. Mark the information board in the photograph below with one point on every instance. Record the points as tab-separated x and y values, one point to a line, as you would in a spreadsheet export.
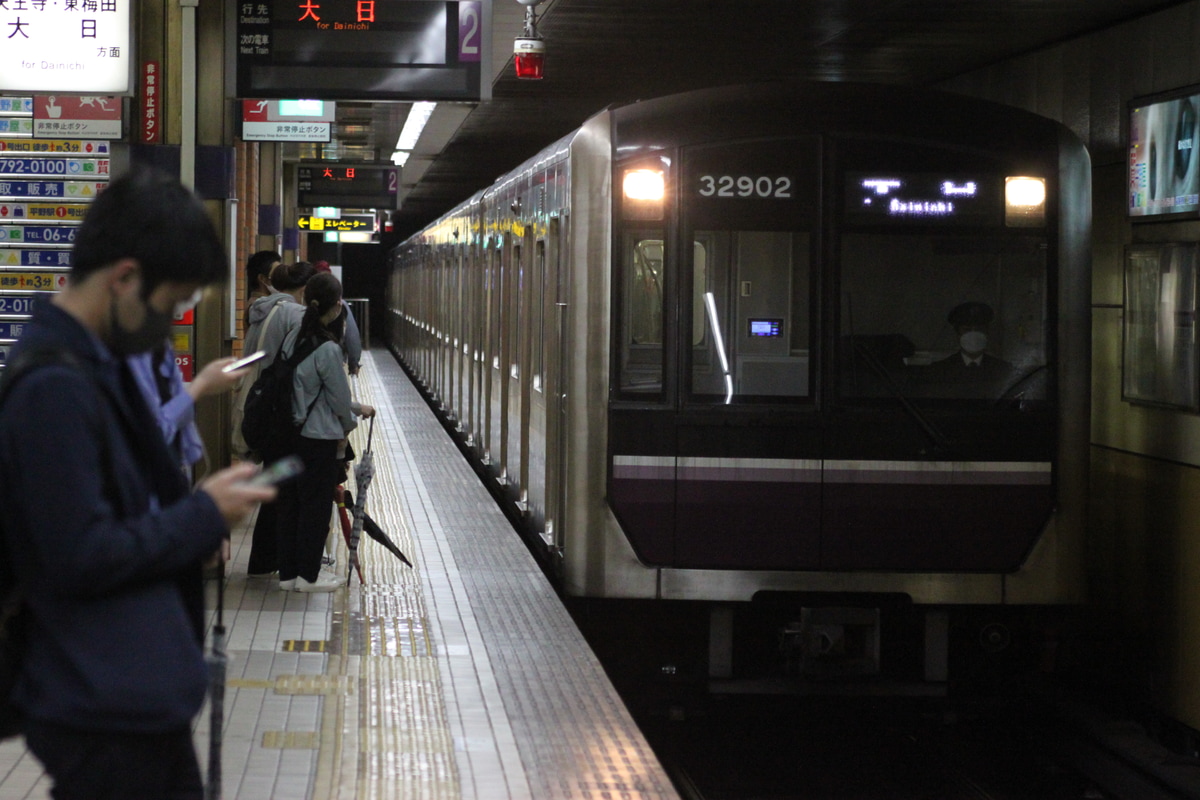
347	186
364	49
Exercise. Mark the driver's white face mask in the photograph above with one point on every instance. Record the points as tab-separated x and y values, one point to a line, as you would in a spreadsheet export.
973	342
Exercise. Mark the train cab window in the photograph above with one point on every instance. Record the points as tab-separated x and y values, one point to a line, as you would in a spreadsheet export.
641	368
943	317
749	320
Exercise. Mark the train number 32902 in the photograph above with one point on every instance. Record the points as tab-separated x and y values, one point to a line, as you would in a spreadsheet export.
745	186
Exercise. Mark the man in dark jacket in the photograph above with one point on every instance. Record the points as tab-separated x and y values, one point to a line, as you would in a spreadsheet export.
100	528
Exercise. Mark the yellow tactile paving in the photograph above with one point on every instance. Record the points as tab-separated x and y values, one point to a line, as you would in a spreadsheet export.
390	737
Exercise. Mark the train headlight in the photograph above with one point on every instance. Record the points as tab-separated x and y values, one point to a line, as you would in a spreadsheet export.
644	184
643	190
1024	202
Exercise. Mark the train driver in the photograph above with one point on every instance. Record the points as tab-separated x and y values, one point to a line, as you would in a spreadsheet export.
971	371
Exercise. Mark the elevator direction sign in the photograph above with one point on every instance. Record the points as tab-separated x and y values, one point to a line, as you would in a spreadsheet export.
317	224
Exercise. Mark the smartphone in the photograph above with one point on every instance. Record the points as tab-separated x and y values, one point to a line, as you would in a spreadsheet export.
281	470
244	362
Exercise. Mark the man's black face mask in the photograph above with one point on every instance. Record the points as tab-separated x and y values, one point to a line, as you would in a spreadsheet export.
150	334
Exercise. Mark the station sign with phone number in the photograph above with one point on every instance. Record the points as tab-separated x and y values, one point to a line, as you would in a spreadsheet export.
38	234
16	305
53	165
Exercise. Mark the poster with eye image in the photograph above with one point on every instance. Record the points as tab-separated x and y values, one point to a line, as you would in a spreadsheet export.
1164	177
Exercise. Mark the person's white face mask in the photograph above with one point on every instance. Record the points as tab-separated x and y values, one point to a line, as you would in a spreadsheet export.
973	342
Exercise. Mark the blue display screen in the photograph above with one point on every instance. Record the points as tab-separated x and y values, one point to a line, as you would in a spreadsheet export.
766	327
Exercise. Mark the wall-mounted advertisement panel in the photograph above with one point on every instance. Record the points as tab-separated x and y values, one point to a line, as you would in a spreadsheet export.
66	47
364	49
1160	357
1164	167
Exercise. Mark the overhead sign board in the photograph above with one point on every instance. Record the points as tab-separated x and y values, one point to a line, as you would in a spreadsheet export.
81	47
364	49
287	120
351	223
347	186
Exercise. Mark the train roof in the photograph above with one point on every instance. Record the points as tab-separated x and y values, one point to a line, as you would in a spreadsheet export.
768	110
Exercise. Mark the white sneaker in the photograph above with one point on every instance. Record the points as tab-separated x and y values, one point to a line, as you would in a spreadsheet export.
288	585
324	583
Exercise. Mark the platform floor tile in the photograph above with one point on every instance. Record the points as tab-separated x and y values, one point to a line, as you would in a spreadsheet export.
460	679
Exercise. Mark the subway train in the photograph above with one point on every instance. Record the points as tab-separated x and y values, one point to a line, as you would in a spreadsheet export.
807	363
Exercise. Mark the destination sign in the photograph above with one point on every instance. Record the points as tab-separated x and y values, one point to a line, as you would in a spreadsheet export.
927	198
38	234
16	305
12	330
34	281
73	190
53	165
364	49
55	146
348	186
35	258
43	211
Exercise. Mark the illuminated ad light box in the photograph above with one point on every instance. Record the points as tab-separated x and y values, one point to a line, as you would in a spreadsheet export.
926	198
364	49
1164	177
347	185
55	47
287	120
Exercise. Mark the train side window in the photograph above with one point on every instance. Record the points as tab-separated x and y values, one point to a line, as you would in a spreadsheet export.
641	366
750	321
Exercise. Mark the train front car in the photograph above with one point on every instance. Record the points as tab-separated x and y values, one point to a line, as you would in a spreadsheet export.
848	375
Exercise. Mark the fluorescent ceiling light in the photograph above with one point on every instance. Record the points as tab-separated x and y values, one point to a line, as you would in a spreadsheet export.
417	117
400	157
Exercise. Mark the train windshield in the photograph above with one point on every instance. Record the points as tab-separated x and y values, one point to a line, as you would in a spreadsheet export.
945	316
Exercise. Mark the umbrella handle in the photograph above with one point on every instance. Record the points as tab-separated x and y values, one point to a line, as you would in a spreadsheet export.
370	432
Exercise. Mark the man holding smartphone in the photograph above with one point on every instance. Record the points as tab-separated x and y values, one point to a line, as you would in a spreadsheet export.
101	531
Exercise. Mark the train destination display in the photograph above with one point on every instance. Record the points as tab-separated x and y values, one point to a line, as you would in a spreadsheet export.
364	49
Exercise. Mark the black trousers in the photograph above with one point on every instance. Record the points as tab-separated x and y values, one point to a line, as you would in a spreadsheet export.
89	765
304	506
264	547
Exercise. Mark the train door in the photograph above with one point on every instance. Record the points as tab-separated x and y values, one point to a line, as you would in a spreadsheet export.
533	428
556	365
492	382
941	414
518	372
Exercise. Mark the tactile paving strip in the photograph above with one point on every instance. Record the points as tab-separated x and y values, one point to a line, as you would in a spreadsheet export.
390	738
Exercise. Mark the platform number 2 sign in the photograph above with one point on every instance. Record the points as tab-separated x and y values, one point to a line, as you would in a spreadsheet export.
470	30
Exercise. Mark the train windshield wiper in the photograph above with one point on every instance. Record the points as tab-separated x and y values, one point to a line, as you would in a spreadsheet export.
939	440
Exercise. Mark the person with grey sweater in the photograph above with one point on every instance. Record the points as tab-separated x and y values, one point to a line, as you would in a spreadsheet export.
324	414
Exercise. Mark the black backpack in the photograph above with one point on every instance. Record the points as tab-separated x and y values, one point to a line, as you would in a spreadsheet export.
267	423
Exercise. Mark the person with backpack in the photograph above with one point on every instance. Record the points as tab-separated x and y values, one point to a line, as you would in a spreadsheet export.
323	414
101	531
272	318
